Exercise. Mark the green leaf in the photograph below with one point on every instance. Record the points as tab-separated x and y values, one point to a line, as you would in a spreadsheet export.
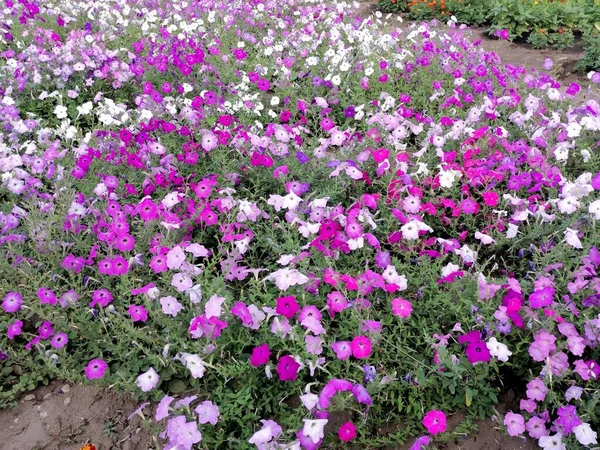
177	386
597	25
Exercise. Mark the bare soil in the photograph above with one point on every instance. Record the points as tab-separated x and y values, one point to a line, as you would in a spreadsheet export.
63	416
489	436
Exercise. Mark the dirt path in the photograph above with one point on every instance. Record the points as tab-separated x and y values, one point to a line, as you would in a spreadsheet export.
66	417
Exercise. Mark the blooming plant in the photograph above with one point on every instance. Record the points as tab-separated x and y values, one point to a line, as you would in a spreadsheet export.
267	216
542	23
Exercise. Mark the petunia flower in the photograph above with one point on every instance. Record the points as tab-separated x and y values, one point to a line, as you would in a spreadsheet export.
148	380
12	302
96	369
585	435
287	306
260	355
314	429
435	422
361	347
514	423
287	368
207	412
347	432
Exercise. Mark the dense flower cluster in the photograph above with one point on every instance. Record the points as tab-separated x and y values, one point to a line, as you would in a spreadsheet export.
293	215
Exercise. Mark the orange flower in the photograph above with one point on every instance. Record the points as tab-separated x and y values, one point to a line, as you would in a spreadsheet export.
88	447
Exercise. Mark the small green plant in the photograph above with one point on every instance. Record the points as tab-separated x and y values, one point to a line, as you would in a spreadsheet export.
539	39
109	428
563	39
392	6
591	60
472	12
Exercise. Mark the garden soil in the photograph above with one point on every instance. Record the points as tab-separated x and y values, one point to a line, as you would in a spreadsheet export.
66	417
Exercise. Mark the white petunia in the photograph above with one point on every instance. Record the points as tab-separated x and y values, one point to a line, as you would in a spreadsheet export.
512	231
148	380
410	230
585	435
314	429
484	238
572	238
568	205
552	442
60	111
594	209
194	364
498	350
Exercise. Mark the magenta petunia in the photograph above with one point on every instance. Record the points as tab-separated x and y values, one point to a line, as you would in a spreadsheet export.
287	368
96	369
361	347
542	297
101	297
46	330
14	329
336	302
260	355
59	340
137	313
435	422
287	306
477	352
46	296
347	432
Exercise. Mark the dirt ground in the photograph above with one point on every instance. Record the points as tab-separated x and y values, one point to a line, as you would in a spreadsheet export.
64	416
489	436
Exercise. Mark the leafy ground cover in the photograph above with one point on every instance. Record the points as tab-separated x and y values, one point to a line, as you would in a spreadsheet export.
542	23
264	217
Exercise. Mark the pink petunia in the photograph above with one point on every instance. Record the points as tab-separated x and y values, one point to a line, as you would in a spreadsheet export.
401	308
514	423
342	349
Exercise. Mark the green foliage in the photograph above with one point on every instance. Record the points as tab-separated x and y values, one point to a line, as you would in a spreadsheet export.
591	60
472	12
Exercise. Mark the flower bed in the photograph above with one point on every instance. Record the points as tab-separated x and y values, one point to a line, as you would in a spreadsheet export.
268	216
542	23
